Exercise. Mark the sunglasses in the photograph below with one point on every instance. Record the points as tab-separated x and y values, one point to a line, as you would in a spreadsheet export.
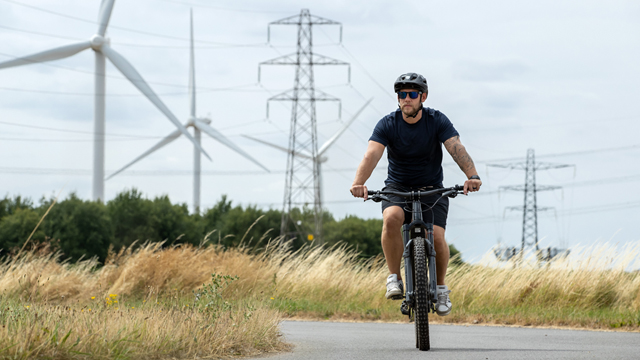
412	94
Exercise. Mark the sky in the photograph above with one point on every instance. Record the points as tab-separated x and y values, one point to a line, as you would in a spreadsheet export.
559	77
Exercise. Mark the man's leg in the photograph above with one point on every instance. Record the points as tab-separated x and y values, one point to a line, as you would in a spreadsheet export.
442	254
392	246
443	306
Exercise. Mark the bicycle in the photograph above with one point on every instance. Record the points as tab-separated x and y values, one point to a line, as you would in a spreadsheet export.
419	259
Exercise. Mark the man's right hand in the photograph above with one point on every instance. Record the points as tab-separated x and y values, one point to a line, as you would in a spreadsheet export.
359	191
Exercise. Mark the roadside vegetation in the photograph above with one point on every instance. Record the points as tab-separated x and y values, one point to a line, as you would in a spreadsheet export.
224	296
207	301
86	229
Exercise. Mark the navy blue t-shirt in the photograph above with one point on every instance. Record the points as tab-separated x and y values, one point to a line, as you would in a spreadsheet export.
414	150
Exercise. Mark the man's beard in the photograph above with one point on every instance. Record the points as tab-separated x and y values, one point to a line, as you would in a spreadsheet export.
413	113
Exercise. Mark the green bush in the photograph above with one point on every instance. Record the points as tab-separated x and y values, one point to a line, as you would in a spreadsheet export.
9	206
137	218
363	235
83	228
232	223
16	228
87	228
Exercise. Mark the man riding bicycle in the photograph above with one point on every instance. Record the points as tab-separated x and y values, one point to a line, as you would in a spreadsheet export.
413	136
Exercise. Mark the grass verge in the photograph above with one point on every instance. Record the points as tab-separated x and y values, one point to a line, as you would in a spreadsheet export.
195	302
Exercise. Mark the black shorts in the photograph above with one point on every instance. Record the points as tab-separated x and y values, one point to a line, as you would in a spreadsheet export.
436	215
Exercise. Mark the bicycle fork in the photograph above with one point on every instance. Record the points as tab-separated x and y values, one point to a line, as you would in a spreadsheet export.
407	232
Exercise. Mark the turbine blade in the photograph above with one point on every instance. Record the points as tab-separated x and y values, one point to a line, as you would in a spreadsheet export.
222	139
192	75
174	135
49	55
282	148
106	6
346	125
130	73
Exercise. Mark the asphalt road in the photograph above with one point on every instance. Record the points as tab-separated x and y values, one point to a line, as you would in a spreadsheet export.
328	340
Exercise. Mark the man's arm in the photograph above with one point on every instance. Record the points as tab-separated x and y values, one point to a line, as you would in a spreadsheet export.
371	157
461	157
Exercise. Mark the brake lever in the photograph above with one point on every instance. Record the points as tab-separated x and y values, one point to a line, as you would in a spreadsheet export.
378	198
450	194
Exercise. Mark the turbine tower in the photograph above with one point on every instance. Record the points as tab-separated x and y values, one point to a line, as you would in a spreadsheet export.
302	181
199	125
102	49
319	159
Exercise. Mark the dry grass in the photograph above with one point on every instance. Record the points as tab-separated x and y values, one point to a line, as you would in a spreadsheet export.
44	330
593	287
140	305
158	315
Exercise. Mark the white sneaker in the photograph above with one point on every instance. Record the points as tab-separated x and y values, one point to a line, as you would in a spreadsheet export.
395	290
443	306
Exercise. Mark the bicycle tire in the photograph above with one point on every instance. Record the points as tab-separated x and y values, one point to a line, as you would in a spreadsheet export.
421	294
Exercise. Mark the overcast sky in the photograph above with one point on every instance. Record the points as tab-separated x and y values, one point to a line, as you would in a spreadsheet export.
560	77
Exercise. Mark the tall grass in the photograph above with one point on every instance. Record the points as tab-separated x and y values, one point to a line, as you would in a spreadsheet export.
163	302
594	286
144	303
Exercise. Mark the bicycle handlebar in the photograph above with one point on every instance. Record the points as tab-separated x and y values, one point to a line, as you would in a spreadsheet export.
376	195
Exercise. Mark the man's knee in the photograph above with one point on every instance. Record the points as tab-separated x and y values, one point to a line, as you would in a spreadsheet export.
392	218
438	236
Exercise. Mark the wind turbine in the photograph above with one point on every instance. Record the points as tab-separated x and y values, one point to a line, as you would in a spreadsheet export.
101	47
199	125
319	158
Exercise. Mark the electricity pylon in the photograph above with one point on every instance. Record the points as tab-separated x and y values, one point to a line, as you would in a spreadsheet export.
530	188
302	181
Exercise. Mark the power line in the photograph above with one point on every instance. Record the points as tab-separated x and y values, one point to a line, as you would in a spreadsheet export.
570	153
54	171
200	89
582	152
241	88
567	212
71	140
134	137
235	88
385	90
224	8
120	27
75	131
220	46
41	34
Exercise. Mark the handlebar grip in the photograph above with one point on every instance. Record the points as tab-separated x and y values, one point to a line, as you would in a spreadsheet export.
371	192
458	187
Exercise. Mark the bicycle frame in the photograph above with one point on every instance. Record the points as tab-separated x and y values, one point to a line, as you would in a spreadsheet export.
421	295
418	229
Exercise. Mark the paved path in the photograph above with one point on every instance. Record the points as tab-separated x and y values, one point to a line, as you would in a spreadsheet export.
371	341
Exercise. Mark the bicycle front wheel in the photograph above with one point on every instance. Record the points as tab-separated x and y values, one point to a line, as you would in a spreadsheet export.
421	294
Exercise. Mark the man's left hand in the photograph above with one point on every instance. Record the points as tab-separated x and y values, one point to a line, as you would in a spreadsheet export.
472	185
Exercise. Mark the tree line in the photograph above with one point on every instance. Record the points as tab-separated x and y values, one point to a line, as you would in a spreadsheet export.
85	229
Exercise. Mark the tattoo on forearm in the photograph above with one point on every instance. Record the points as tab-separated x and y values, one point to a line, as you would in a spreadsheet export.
460	155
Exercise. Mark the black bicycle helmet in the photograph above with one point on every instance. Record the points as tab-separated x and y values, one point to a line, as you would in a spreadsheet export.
411	81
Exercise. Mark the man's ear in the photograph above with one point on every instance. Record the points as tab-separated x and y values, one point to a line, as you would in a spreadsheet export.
424	97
